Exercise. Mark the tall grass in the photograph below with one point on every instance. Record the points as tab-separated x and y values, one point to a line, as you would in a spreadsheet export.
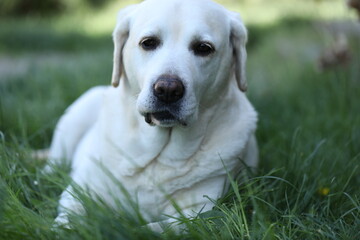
307	185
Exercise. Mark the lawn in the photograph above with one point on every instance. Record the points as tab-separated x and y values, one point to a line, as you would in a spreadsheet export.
308	182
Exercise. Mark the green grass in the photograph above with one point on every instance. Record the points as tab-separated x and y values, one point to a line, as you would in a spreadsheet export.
307	184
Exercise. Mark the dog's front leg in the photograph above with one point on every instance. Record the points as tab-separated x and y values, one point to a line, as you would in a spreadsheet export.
73	125
68	204
174	223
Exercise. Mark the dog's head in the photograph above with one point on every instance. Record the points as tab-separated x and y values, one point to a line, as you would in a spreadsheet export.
177	56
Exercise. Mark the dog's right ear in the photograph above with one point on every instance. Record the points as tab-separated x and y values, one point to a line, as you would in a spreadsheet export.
120	35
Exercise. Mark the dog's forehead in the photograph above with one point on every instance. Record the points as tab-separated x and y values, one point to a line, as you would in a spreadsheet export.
201	16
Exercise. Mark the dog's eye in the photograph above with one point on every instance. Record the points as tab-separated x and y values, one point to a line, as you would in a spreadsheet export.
150	43
203	49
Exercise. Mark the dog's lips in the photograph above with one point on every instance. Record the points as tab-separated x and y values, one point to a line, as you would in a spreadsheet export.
163	118
148	118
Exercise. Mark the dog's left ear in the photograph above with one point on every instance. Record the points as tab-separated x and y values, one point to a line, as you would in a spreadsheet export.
238	37
120	35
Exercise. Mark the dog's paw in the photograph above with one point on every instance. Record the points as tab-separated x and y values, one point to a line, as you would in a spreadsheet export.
155	227
166	225
62	221
47	170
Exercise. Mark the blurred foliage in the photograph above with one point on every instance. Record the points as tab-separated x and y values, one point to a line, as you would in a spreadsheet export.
44	7
20	7
257	33
43	38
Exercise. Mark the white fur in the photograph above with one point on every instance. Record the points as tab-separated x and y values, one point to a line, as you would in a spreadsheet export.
105	128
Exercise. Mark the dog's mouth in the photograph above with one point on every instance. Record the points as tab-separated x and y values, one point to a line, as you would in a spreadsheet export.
163	118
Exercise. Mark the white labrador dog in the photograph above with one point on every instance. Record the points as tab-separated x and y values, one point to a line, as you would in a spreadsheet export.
176	120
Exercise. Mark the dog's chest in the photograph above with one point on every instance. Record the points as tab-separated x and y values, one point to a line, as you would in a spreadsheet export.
153	185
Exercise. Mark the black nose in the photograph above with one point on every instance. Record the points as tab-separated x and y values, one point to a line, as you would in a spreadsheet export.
169	89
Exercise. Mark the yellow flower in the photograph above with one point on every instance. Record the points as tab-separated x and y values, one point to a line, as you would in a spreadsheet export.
324	191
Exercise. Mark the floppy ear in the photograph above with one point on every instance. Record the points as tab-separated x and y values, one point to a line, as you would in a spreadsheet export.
238	39
120	35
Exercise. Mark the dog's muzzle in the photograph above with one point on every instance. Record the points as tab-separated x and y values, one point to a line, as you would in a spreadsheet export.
168	90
